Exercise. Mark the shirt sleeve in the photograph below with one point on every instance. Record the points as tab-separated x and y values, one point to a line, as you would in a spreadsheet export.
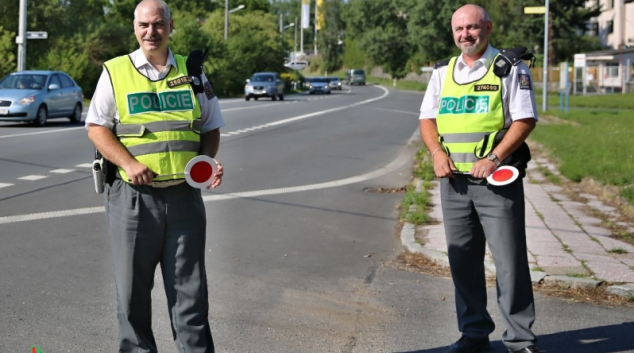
210	108
429	107
520	92
103	108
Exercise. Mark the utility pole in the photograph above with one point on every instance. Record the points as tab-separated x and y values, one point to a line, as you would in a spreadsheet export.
21	38
315	24
295	41
226	19
546	37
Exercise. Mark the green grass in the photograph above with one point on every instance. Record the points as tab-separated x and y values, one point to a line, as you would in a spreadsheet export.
598	146
607	101
537	268
617	251
424	171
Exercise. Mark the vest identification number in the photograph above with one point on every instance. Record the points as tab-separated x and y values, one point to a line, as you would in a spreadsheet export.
146	102
464	105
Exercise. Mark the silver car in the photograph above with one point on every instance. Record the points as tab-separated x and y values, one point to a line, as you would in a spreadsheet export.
264	84
319	84
37	96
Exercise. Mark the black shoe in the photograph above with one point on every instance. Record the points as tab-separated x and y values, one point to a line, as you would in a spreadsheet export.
470	345
529	349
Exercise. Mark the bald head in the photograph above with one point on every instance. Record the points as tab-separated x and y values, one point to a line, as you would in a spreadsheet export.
149	5
471	27
471	10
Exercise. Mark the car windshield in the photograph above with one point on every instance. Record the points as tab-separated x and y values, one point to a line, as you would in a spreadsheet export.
320	79
358	72
333	79
262	78
23	82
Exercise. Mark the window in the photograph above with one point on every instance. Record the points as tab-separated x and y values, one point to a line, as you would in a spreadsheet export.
611	70
609	4
610	26
66	81
55	80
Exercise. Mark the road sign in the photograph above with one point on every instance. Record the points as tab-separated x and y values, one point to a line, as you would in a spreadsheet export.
535	10
36	35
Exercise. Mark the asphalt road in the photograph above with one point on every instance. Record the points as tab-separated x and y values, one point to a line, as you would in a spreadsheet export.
300	254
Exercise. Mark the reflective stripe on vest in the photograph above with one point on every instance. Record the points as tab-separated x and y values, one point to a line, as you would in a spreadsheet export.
128	130
467	113
158	125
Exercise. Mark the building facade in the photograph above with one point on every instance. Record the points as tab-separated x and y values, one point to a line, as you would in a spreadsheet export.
615	25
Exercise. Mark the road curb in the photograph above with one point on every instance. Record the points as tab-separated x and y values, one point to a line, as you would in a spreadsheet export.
409	242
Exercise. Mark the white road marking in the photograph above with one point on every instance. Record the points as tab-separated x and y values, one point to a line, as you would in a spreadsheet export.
32	177
62	171
398	111
84	165
4	185
401	160
310	115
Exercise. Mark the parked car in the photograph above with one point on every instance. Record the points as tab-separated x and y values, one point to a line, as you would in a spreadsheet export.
335	83
264	84
319	84
37	96
297	65
355	76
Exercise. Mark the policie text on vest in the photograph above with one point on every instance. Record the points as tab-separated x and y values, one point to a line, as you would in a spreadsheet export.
464	105
146	102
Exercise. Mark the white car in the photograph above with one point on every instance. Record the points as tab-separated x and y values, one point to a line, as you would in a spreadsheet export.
297	65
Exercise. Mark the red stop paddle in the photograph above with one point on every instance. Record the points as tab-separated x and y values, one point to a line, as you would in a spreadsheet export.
199	171
504	175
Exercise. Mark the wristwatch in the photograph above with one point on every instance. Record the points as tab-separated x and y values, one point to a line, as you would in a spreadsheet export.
492	157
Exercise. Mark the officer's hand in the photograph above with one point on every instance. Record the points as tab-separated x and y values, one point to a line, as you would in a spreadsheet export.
139	173
217	179
483	168
443	165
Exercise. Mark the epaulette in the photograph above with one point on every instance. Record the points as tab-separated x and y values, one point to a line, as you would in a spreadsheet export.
441	64
509	58
194	64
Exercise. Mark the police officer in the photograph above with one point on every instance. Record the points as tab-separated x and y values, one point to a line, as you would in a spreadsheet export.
149	116
468	102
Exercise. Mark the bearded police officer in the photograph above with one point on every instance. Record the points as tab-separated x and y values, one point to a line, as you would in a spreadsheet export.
478	110
151	113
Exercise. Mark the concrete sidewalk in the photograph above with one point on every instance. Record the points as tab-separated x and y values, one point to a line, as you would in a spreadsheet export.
566	244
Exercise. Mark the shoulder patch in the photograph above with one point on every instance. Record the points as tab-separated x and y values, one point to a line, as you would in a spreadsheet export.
441	64
209	92
525	81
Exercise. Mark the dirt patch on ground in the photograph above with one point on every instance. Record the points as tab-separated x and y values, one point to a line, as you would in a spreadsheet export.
597	296
551	119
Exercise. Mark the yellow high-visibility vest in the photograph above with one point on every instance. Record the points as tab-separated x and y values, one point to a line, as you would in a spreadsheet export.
468	116
158	125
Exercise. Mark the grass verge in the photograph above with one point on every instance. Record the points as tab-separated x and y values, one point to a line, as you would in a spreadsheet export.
423	170
606	101
592	144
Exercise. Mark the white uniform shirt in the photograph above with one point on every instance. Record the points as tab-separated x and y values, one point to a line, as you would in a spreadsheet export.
518	98
103	108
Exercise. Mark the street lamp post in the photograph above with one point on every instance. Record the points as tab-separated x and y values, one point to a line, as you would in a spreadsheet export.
227	12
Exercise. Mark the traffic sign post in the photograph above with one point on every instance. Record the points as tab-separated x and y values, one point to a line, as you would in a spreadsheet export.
543	10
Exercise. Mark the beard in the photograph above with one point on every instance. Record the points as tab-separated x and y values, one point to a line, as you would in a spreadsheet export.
470	47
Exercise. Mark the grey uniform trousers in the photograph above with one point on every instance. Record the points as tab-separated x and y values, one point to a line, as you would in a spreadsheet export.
150	226
475	213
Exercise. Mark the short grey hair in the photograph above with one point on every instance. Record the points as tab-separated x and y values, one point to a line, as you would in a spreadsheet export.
162	4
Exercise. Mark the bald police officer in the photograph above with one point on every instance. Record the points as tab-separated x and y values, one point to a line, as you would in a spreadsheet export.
468	106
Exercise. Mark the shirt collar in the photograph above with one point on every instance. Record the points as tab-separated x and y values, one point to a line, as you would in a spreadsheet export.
139	60
484	60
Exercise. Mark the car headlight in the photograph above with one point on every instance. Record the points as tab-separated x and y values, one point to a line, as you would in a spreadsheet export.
26	100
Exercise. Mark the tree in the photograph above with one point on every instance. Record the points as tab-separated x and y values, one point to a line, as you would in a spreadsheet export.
381	30
7	58
329	38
